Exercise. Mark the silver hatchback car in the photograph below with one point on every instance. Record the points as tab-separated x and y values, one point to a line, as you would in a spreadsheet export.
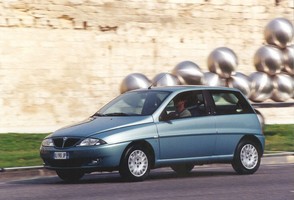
177	127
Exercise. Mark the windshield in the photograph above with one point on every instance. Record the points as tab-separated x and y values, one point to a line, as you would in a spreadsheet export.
134	103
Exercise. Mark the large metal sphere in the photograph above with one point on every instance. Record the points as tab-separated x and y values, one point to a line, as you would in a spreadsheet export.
289	59
268	59
261	86
283	87
222	61
261	118
279	32
241	82
293	85
213	79
165	79
188	73
134	81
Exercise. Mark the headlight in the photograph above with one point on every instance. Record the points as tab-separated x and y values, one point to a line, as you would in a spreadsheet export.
48	142
91	142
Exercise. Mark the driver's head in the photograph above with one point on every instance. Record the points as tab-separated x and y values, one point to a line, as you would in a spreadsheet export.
180	104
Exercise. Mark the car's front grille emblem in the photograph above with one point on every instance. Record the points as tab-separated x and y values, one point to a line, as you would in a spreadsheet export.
64	140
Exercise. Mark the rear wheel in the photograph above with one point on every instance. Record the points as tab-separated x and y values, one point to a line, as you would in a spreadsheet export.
70	175
183	169
246	158
135	164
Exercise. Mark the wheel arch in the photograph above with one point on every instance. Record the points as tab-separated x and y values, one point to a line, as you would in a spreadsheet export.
144	144
255	140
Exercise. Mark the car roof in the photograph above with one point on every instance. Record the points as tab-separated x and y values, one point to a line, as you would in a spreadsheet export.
186	88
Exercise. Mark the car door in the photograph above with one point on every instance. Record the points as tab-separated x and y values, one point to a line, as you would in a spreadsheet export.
234	117
189	137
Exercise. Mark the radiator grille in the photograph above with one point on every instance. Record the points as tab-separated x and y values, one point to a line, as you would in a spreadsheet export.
65	142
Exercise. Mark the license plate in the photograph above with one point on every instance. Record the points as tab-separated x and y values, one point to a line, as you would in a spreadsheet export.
60	155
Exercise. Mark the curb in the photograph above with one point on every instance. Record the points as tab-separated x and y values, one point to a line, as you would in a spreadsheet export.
20	168
268	158
277	154
278	158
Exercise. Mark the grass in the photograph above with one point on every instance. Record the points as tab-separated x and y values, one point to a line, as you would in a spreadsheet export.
17	150
279	137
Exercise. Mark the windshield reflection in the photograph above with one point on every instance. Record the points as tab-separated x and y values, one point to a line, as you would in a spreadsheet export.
134	103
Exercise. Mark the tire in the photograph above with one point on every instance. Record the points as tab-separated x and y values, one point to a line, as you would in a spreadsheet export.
247	157
183	169
70	175
135	164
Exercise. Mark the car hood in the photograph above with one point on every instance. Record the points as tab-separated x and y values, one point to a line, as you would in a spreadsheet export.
96	125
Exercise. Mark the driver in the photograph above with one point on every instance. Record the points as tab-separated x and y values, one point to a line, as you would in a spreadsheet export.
181	110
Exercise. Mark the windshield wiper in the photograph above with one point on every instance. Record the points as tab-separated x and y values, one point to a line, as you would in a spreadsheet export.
116	114
98	115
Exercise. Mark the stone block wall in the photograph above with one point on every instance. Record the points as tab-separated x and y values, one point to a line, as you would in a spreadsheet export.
60	60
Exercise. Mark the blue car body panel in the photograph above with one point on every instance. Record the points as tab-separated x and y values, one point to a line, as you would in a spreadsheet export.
96	125
188	138
230	129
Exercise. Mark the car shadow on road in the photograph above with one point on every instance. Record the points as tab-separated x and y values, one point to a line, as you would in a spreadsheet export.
194	174
114	177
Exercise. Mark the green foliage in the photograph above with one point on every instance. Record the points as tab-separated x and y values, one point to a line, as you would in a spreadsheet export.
279	137
20	149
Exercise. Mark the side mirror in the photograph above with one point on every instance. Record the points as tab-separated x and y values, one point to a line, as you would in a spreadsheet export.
166	117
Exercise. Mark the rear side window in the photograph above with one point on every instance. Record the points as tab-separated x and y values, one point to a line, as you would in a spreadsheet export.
230	102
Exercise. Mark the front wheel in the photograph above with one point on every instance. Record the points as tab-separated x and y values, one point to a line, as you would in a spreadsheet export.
135	164
246	158
70	175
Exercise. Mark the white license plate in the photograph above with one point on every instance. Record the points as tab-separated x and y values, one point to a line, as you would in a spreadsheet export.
60	155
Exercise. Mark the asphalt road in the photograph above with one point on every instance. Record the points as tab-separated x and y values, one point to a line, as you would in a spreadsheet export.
215	182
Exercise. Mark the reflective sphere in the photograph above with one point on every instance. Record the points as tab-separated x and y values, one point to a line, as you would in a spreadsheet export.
283	87
222	61
261	86
134	81
260	118
165	79
241	82
268	59
289	59
212	79
188	73
293	85
279	32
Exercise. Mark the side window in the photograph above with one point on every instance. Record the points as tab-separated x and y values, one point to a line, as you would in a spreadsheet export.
152	102
186	104
230	102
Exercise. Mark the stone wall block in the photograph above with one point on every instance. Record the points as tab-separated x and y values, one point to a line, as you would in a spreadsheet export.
3	22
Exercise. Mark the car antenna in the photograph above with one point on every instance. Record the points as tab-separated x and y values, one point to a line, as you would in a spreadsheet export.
155	81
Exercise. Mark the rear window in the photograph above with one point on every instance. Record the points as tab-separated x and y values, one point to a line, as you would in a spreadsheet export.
230	102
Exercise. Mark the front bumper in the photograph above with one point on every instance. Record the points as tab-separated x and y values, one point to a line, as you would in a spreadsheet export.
91	158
